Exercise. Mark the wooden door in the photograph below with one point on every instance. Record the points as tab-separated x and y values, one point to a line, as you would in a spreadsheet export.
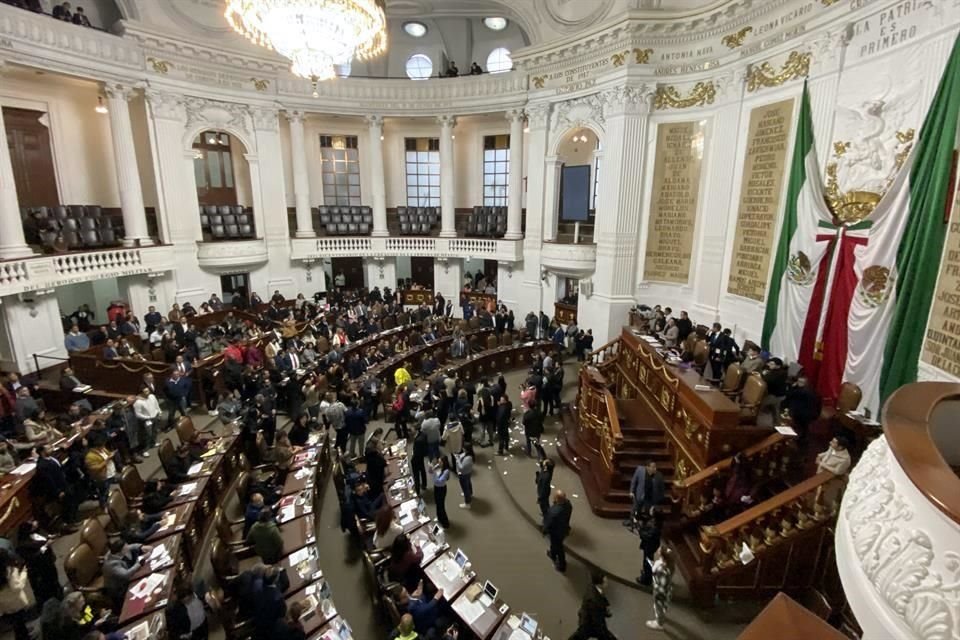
352	269
421	270
490	270
33	171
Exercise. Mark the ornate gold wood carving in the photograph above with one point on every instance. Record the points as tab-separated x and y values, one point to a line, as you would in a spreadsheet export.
668	97
260	85
642	56
538	81
829	3
734	40
160	66
796	66
618	58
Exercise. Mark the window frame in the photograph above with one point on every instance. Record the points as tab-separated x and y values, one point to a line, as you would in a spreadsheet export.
340	158
423	156
495	185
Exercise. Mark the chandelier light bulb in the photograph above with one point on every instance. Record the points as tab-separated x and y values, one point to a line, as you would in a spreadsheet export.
100	108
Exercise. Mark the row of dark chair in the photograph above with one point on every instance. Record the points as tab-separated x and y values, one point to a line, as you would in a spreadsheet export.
418	221
226	222
487	222
71	227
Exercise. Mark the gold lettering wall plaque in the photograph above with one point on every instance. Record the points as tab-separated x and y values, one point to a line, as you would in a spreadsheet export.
674	199
764	166
701	94
941	346
764	75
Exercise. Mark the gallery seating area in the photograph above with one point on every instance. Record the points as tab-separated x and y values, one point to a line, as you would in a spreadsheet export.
487	222
345	221
226	222
418	221
71	227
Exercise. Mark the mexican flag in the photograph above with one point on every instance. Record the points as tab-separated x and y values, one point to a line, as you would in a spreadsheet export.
850	300
798	258
898	268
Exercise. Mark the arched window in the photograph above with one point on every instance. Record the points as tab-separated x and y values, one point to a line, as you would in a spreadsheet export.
499	60
419	67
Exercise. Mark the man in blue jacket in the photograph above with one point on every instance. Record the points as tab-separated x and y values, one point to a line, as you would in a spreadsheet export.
647	489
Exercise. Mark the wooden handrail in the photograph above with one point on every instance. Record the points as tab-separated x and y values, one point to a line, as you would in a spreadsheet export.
906	425
614	418
778	520
600	349
711	471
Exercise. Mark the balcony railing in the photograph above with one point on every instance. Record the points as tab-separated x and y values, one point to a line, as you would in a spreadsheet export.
316	248
48	271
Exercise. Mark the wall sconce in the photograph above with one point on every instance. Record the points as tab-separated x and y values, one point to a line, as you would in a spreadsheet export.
100	108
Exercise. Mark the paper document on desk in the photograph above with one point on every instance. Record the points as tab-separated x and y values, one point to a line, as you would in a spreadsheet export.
24	469
186	488
469	611
195	468
299	556
408	507
209	453
787	431
288	512
82	388
139	632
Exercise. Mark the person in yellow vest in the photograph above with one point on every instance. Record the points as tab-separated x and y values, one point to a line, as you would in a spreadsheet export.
402	375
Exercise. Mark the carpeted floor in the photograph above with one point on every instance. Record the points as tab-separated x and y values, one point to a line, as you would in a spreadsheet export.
505	546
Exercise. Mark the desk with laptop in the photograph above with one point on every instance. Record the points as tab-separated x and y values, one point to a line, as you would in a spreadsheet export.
477	605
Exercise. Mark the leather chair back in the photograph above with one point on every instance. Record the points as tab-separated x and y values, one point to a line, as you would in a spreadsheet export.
492	341
474	322
732	379
506	339
224	530
95	536
243	486
263	450
754	390
82	565
166	453
118	508
690	343
323	345
185	429
849	397
131	483
224	561
700	354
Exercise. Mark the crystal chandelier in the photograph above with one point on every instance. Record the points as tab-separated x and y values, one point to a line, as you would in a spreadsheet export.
316	35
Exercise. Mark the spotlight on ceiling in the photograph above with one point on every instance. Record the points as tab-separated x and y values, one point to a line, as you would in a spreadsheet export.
495	23
415	29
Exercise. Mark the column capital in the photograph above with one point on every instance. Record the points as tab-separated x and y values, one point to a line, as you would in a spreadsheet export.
514	115
629	99
265	118
374	121
294	115
538	115
165	106
117	91
447	121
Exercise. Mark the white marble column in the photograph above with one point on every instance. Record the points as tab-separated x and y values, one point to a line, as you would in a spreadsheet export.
12	242
515	185
551	196
375	124
301	181
125	159
448	224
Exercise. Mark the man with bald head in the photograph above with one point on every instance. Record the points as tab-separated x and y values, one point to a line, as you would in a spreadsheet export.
556	525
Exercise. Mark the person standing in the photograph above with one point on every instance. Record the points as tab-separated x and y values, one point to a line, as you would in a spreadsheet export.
533	429
556	526
16	595
441	475
594	611
356	425
464	472
418	460
649	530
544	478
504	411
662	587
647	489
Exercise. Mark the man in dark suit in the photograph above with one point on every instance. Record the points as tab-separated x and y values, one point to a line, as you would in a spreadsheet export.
439	305
182	365
68	380
544	477
647	489
110	351
594	611
556	526
289	361
178	389
152	318
50	483
684	326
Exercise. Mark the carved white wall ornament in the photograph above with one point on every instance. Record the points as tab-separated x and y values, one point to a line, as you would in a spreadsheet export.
265	118
165	105
538	115
898	556
216	115
578	112
629	99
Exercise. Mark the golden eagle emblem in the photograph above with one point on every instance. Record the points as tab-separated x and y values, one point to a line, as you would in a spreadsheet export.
799	269
875	286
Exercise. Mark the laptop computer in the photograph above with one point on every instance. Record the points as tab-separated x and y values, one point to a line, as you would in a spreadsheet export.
489	594
460	558
528	625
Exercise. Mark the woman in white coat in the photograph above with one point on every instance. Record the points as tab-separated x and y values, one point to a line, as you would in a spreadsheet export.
452	441
16	595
